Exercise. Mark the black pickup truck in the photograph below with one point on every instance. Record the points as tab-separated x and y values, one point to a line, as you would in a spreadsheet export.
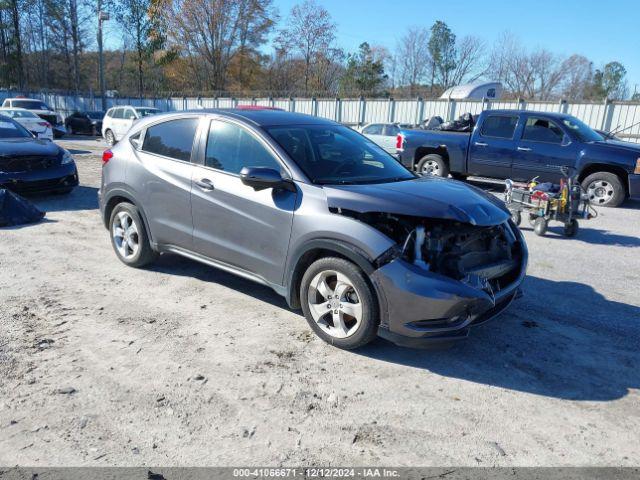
521	145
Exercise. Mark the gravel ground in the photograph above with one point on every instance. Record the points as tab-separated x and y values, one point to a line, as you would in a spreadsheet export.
181	364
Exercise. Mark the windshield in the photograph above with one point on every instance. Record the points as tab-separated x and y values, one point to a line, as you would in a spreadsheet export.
12	129
95	115
335	154
145	112
30	104
582	131
18	114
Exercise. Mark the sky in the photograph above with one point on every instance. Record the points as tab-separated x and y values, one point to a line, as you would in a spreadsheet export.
602	31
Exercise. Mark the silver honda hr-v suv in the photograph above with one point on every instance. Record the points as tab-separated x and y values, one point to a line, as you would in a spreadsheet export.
320	214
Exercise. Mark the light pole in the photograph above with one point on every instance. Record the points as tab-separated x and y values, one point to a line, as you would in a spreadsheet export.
102	16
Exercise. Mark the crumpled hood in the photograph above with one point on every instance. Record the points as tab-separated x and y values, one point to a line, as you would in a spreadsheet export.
19	147
430	197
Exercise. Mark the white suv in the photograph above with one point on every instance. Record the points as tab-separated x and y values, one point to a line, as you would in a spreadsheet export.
41	109
118	120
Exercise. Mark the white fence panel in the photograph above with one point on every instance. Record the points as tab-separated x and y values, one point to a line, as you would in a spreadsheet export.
406	111
283	103
350	111
304	105
376	111
625	116
593	114
327	109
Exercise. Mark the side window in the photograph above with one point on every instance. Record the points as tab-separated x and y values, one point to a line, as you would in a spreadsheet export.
109	113
373	130
129	114
499	126
173	139
542	130
230	148
117	113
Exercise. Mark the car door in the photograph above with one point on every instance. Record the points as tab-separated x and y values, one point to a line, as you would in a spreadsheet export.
543	149
128	117
492	145
116	119
233	223
163	172
389	137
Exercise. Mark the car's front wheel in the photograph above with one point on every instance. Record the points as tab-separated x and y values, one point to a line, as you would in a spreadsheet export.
338	303
129	237
604	189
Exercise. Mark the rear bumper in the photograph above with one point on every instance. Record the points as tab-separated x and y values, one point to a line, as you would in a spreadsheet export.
634	186
53	179
422	308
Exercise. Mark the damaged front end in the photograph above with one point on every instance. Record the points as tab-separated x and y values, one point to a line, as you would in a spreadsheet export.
443	276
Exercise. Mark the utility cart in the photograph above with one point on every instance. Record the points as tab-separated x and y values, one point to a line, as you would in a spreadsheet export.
542	202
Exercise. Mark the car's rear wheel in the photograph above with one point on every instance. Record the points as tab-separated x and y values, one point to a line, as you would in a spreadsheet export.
110	138
432	164
339	303
129	237
604	189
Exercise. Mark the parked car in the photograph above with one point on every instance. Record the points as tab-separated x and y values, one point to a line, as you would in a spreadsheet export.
29	120
84	122
30	165
320	214
522	145
384	134
118	120
41	109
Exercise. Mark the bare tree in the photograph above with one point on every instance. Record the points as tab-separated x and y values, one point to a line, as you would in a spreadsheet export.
470	60
578	78
413	58
309	32
216	29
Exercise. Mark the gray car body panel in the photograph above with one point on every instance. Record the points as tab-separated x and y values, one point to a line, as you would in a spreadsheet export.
262	234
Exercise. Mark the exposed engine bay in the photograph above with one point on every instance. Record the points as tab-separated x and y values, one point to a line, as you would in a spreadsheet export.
480	256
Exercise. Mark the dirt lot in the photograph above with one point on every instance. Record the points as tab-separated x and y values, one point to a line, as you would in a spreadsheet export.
181	364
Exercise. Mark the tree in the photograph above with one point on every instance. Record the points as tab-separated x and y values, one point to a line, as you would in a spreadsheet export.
216	31
578	79
442	48
413	58
610	81
470	60
309	32
11	41
364	73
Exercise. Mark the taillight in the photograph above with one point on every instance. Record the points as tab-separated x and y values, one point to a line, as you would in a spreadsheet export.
400	142
44	124
106	156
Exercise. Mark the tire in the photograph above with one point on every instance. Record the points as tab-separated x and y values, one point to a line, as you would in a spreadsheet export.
110	138
532	219
432	164
132	247
516	217
321	281
540	226
571	228
604	189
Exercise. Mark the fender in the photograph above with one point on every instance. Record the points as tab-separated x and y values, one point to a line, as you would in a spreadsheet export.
351	252
122	190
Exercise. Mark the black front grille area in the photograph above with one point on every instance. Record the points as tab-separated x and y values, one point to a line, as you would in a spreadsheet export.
26	164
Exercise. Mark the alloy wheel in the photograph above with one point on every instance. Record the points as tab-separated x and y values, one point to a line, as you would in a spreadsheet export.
334	304
600	192
125	235
431	167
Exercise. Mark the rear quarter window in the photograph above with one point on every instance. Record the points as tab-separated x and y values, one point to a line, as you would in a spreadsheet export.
173	139
499	126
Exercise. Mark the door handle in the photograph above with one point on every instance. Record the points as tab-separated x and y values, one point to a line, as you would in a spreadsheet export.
205	184
524	149
481	144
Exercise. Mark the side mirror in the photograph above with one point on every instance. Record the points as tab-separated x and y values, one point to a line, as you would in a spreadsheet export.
261	178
